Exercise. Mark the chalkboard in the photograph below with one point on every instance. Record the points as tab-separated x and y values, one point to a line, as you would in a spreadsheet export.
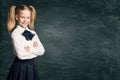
81	39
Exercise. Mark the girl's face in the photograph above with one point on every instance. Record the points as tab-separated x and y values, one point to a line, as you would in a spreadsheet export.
23	18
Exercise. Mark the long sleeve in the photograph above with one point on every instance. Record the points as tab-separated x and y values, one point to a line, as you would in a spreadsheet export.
39	50
19	44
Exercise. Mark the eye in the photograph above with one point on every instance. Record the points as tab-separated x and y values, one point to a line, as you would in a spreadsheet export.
22	17
28	17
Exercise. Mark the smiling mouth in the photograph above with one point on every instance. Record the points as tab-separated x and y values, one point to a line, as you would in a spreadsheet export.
24	23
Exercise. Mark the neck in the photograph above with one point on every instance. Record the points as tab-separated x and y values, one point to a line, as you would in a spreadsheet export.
23	26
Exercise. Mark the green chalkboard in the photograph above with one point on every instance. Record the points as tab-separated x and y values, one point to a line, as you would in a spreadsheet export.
81	38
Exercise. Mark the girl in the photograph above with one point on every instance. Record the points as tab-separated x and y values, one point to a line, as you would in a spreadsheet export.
25	41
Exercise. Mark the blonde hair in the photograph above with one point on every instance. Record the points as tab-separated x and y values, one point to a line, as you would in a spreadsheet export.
16	10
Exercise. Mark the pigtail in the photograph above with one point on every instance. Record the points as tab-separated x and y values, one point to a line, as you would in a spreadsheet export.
11	18
33	16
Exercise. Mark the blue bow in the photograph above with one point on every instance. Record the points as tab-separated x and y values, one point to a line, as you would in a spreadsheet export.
28	35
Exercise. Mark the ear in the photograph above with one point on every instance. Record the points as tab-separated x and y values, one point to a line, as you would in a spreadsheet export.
16	17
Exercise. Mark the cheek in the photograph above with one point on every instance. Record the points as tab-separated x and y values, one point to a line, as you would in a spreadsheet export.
21	20
28	20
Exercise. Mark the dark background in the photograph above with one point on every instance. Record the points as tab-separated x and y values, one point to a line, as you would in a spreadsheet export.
81	38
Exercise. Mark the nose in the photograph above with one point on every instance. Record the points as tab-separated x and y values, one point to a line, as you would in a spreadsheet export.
25	19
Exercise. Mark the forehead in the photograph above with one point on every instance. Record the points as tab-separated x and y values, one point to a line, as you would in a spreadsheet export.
25	12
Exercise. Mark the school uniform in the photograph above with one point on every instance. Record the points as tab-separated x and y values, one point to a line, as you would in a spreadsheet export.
23	67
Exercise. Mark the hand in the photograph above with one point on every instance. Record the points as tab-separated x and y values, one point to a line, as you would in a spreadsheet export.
35	44
27	48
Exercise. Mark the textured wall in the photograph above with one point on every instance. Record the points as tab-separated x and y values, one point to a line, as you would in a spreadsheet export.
81	38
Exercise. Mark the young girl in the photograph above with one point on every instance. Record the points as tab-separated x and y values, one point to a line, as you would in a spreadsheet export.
26	43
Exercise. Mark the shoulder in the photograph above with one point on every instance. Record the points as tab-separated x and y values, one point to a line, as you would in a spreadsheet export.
33	31
15	33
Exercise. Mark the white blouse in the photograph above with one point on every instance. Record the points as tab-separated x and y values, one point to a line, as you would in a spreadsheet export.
19	43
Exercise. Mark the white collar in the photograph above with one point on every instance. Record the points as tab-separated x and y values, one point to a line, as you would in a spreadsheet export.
21	29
